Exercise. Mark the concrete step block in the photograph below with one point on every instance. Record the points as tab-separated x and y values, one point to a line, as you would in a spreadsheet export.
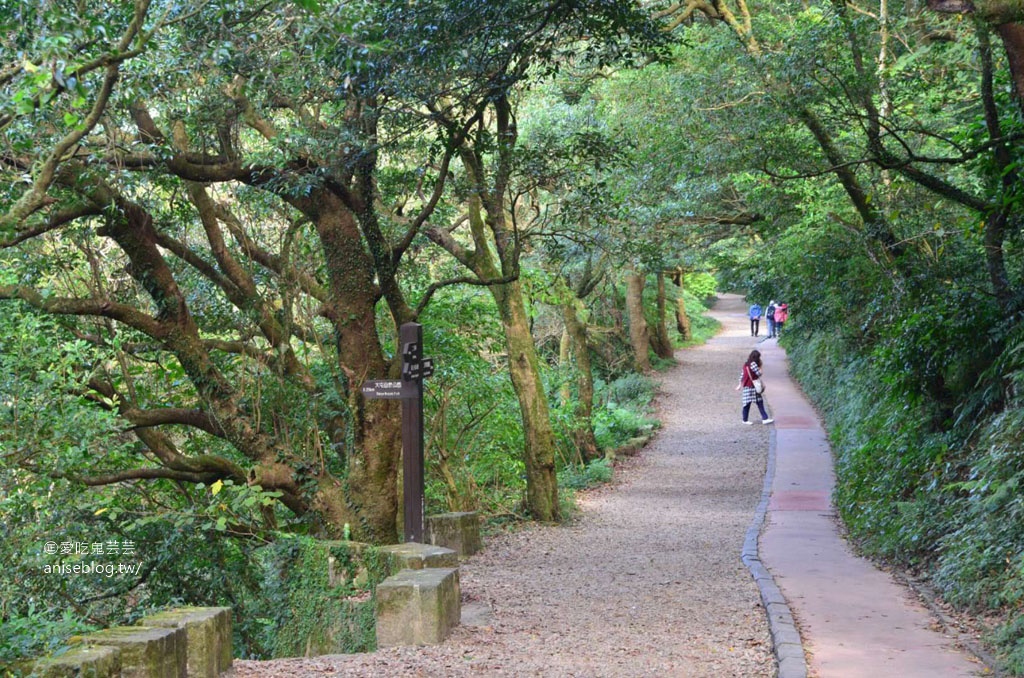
82	661
414	556
418	607
146	652
208	633
458	531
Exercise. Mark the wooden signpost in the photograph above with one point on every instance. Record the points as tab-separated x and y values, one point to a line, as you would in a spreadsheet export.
409	389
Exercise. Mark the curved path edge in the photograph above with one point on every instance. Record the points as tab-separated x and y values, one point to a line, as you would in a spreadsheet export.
786	643
854	619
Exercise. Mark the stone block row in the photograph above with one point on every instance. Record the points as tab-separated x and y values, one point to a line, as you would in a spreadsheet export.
192	642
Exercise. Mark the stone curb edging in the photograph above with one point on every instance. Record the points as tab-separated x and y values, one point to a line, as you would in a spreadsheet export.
786	643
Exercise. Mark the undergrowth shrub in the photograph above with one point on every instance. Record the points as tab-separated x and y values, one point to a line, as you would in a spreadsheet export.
576	477
702	287
702	327
34	635
631	388
296	611
981	564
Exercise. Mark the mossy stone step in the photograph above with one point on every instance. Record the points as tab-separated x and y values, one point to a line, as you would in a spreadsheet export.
418	607
82	661
208	634
146	652
414	556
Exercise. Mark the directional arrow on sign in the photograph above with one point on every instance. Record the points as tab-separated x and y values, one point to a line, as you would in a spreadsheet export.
418	370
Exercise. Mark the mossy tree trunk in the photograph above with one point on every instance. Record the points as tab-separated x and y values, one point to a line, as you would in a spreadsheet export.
682	319
493	258
565	365
639	335
538	435
370	494
660	342
583	426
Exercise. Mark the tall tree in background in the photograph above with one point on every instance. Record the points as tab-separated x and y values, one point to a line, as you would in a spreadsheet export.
512	42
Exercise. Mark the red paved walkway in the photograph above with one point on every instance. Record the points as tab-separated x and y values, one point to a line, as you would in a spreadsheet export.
854	619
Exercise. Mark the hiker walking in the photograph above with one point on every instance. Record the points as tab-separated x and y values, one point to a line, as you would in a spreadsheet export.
755	319
752	371
781	316
769	315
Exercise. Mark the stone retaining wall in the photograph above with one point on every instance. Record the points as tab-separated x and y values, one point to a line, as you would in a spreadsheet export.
418	604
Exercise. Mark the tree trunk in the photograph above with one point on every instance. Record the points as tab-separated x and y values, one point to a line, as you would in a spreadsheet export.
682	319
995	235
660	342
638	333
997	220
564	365
538	435
371	490
583	425
1013	40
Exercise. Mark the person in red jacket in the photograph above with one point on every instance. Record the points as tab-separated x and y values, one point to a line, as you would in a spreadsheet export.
751	371
781	316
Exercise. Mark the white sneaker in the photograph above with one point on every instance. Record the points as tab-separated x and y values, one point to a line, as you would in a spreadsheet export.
767	421
748	423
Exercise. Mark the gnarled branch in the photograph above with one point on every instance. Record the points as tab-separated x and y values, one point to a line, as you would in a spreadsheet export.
95	307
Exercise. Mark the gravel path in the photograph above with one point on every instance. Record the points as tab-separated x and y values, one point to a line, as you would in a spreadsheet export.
647	582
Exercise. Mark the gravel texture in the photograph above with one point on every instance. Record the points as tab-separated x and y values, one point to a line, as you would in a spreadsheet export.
647	581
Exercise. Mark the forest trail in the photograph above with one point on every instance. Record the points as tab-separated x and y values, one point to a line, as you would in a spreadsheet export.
648	580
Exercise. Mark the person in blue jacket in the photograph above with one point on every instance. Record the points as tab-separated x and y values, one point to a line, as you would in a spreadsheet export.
755	318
